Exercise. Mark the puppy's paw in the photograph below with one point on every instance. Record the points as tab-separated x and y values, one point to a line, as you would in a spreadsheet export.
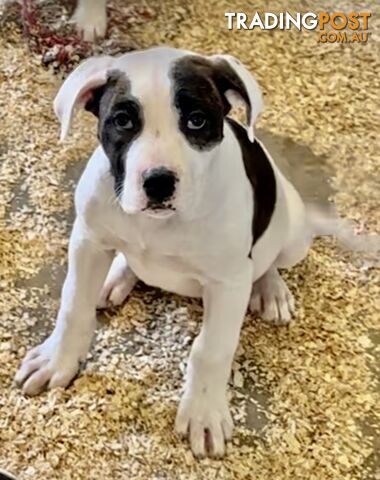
119	283
272	299
91	20
206	420
47	366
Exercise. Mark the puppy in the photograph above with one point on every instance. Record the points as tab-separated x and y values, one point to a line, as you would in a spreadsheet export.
91	19
192	202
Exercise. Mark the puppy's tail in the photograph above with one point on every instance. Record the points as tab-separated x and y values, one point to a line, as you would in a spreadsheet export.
324	222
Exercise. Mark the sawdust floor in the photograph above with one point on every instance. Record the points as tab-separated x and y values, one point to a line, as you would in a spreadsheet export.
305	398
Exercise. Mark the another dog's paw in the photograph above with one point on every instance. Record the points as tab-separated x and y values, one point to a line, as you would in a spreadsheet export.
272	299
119	283
91	20
47	366
206	420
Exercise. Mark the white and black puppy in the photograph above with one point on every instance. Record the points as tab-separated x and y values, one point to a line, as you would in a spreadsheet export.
192	203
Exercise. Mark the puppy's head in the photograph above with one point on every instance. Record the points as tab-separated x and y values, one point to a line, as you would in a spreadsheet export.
161	119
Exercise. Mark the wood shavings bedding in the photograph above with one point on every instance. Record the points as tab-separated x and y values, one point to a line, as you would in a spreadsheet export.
305	398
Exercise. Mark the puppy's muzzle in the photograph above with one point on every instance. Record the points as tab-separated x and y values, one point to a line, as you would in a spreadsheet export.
159	185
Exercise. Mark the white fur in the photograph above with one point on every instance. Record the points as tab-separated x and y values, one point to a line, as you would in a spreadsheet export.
199	250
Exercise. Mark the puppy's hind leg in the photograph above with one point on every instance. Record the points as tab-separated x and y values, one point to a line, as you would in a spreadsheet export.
119	283
295	252
271	298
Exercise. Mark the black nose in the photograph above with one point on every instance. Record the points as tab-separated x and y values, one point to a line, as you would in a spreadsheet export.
159	184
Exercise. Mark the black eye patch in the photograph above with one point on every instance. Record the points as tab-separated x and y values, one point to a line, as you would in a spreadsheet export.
199	105
200	120
120	123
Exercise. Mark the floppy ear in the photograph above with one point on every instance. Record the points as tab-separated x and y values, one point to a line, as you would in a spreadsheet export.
78	89
238	85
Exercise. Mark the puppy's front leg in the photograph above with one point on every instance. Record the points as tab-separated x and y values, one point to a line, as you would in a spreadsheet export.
203	412
55	362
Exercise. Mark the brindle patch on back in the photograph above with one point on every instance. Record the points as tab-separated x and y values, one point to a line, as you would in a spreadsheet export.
108	101
261	176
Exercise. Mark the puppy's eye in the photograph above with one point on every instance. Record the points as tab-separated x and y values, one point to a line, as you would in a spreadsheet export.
196	121
123	121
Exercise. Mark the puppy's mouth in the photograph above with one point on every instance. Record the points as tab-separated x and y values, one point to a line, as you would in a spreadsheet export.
159	210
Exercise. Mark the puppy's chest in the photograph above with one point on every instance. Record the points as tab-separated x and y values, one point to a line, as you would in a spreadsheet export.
149	264
170	251
165	266
167	254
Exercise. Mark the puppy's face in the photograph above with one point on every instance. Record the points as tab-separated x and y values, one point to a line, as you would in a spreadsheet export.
160	129
161	115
